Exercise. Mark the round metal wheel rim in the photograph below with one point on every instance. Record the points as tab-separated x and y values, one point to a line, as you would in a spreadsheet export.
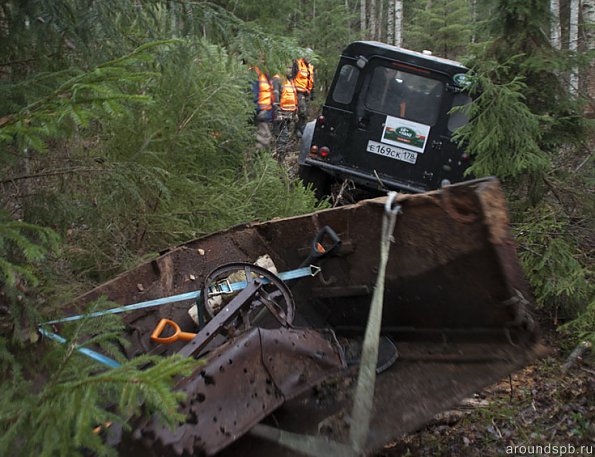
274	284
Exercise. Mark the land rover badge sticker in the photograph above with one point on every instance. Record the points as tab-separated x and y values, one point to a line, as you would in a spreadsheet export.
406	134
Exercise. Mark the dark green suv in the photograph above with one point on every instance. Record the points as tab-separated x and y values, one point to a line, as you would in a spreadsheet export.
387	122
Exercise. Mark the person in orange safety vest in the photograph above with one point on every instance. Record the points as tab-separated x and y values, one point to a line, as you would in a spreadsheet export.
286	106
304	83
262	91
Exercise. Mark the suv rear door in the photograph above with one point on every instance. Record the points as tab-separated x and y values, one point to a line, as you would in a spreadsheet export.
397	133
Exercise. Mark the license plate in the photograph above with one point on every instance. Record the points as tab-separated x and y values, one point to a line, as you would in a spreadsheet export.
391	152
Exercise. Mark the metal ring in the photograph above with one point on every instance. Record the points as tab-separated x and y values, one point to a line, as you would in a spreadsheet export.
274	282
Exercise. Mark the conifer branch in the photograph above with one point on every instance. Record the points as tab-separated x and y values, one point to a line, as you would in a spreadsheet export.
67	171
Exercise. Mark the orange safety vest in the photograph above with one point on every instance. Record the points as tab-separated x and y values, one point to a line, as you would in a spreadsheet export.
265	91
302	79
288	96
311	77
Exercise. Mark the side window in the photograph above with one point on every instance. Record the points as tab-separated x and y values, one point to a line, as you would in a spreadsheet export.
458	118
345	86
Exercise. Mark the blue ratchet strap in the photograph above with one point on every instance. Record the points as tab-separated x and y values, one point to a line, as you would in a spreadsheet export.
88	352
222	287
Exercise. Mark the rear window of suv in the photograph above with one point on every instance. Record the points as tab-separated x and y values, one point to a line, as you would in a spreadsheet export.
405	95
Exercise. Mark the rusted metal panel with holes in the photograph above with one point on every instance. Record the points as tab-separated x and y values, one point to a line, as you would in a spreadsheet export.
456	306
243	381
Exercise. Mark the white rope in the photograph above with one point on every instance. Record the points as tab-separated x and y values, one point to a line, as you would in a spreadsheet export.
316	446
363	401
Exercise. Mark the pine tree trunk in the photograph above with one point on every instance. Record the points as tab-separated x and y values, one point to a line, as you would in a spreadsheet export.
573	44
362	18
373	23
173	14
555	30
390	23
380	28
473	6
588	20
398	22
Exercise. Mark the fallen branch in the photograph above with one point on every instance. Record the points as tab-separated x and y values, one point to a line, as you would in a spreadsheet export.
51	173
464	408
576	356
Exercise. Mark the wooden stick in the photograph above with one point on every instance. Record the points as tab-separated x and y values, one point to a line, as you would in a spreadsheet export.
576	355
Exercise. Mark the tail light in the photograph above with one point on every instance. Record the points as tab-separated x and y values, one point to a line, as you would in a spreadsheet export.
323	152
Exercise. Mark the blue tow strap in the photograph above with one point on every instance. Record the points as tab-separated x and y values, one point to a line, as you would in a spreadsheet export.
311	270
88	352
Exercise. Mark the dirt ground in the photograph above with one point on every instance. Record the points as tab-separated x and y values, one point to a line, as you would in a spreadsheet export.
544	404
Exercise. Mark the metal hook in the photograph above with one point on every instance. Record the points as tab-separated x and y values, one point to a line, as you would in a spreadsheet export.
390	201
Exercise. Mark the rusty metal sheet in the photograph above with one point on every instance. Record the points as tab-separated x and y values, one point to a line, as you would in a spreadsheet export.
242	382
456	304
418	386
300	359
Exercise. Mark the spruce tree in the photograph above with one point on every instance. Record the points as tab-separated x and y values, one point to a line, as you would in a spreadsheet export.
441	26
117	141
526	129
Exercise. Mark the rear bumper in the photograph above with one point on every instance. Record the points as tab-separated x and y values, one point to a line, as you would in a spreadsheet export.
364	179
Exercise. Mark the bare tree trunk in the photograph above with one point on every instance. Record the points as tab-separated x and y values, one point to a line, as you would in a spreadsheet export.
555	30
390	23
362	18
573	44
588	21
474	19
174	23
373	24
398	23
380	29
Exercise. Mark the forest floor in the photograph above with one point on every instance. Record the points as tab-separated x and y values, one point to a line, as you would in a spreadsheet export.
543	404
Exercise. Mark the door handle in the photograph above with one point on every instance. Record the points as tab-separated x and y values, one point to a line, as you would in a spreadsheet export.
363	123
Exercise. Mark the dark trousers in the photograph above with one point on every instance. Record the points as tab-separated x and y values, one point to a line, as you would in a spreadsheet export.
302	111
281	128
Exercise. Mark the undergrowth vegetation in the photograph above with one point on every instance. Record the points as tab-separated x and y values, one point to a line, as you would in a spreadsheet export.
526	129
126	127
134	136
